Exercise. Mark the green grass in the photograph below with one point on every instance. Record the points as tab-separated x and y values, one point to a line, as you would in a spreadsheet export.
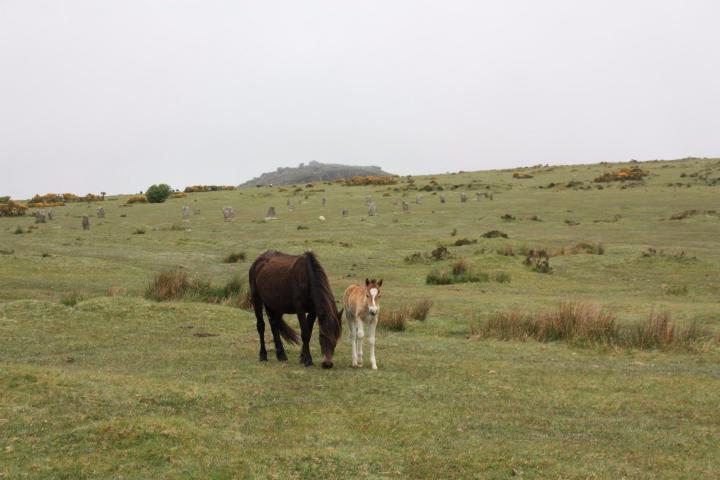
122	386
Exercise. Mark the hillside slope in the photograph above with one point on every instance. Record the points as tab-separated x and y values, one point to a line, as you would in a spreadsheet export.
312	172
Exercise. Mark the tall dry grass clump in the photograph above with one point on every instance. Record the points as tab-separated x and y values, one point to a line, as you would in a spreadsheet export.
659	331
583	323
421	309
570	322
168	285
394	319
177	285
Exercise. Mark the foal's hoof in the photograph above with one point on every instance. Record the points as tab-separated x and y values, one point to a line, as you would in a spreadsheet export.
327	364
309	363
263	356
281	356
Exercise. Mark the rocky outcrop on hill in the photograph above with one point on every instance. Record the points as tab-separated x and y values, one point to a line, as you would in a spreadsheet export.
312	172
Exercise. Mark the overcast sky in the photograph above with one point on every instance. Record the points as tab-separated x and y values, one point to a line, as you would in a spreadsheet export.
116	95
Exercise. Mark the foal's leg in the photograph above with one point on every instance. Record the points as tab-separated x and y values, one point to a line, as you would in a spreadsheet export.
274	326
353	332
359	335
371	339
261	330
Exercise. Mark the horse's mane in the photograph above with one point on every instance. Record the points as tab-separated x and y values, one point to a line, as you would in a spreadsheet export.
328	319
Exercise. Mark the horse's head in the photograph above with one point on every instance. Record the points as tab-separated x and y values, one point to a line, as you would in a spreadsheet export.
330	328
372	295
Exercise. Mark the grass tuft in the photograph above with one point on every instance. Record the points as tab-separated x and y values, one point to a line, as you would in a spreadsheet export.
394	319
168	285
235	257
177	285
588	324
461	272
421	309
72	299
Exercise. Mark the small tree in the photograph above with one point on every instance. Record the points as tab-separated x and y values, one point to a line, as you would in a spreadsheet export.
158	193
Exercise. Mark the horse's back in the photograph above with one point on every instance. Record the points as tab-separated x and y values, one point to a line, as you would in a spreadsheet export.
278	279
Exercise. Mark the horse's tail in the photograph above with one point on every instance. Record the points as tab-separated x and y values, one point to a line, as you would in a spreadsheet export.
329	319
287	332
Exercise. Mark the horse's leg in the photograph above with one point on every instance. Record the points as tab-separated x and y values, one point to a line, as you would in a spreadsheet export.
359	335
279	349
261	330
371	339
305	357
310	320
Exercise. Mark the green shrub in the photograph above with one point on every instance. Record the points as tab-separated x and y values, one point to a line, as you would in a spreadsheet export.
158	193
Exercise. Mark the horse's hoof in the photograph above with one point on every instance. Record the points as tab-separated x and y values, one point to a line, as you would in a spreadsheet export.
327	364
282	357
263	356
309	364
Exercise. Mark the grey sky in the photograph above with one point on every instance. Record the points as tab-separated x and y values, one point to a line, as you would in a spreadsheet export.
116	95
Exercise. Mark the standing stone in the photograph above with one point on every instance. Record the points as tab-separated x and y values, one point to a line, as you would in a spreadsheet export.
344	212
85	222
368	200
406	207
50	214
442	198
372	210
463	197
228	213
100	212
478	196
186	213
40	216
324	200
418	199
271	215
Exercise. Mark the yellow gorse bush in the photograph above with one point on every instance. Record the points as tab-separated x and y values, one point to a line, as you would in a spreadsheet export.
136	199
626	173
12	209
370	180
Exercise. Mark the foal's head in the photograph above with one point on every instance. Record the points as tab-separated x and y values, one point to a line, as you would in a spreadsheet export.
372	295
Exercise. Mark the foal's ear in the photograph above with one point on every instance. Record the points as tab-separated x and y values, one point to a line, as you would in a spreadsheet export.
367	282
380	283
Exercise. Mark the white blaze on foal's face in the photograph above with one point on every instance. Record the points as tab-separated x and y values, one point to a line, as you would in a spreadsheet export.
373	302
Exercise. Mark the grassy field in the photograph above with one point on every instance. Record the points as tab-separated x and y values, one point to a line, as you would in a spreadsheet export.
123	387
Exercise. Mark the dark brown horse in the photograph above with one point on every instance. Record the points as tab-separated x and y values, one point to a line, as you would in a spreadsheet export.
294	284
